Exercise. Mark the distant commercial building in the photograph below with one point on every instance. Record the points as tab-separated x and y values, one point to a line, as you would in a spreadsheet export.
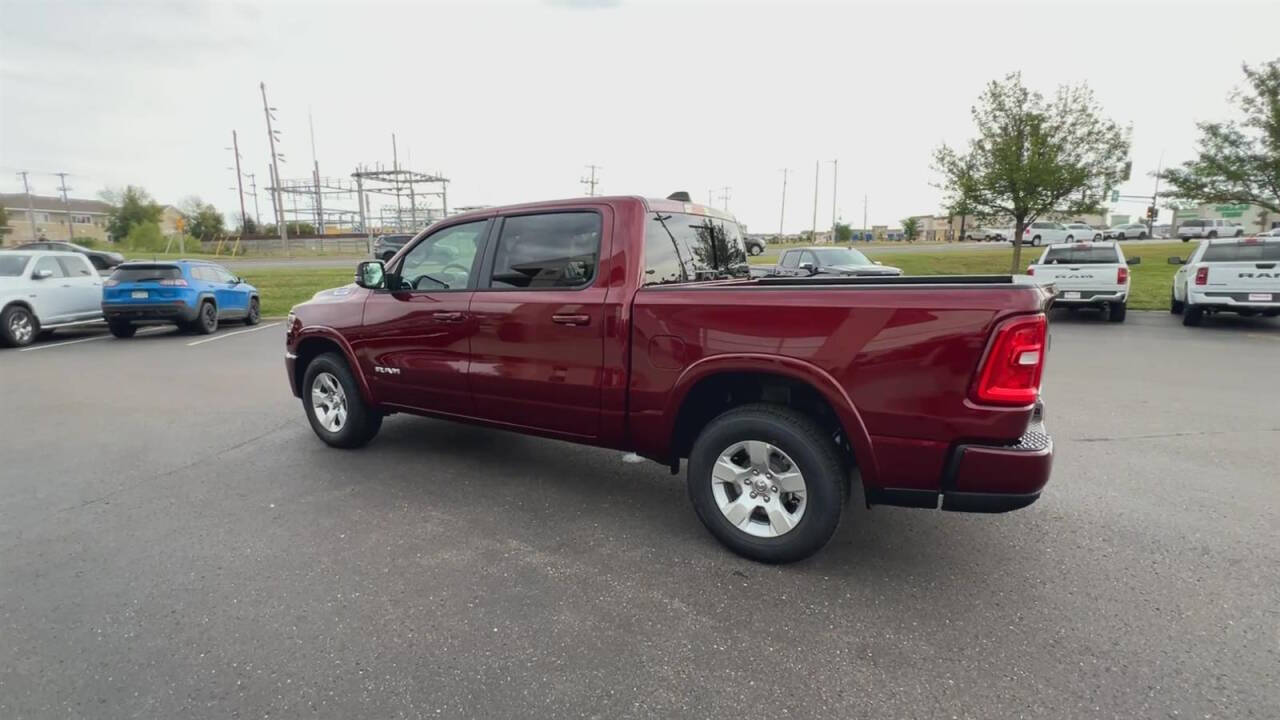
1253	218
53	218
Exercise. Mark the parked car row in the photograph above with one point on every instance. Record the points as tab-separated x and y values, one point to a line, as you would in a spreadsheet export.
100	259
41	291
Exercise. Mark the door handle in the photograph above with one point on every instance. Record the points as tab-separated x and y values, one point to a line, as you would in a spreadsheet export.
446	316
572	320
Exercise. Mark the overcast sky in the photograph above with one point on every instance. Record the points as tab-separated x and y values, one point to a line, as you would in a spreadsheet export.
511	100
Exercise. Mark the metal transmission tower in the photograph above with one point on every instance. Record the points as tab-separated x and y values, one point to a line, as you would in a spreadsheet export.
66	205
31	214
591	181
275	170
253	188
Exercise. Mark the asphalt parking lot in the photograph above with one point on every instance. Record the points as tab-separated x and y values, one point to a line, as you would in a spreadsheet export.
174	542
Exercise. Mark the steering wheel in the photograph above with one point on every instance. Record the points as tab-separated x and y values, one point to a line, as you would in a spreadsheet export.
461	269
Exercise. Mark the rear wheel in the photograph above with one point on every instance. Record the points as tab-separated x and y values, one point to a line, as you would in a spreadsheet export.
18	327
1142	236
1192	315
1213	234
1116	312
1239	233
768	482
1035	241
122	329
255	314
207	320
331	398
1175	305
1070	238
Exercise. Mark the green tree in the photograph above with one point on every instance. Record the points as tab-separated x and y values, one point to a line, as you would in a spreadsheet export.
1238	161
129	207
145	237
844	233
1032	156
248	227
910	228
203	220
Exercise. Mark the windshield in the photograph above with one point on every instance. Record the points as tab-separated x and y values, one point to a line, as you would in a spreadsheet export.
841	256
1241	252
1081	256
145	273
12	265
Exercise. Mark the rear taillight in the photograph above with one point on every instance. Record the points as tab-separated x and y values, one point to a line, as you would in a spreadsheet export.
1122	275
1010	373
1202	276
110	283
1026	231
179	282
1031	270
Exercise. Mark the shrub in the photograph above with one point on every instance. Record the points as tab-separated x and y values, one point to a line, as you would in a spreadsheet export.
145	237
89	242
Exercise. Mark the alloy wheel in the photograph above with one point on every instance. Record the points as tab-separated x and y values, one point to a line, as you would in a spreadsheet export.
21	329
329	402
759	489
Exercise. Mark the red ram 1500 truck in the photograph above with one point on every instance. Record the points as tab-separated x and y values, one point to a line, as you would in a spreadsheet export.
633	324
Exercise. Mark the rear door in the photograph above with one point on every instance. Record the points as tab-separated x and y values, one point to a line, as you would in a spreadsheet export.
85	287
1247	269
537	353
231	294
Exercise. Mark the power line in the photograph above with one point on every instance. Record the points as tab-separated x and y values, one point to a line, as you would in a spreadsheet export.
592	180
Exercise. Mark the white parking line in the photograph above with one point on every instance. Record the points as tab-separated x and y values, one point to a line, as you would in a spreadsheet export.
82	340
238	332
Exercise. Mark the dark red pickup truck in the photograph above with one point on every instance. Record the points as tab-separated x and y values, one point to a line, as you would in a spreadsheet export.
633	324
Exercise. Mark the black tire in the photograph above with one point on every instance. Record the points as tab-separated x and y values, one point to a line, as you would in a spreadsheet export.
122	329
1035	241
1186	239
1116	312
1142	236
1213	234
18	326
206	322
1192	315
1175	305
1239	233
814	452
1071	238
362	422
255	312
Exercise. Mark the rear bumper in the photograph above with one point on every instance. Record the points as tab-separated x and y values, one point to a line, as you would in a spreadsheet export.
984	478
1090	297
1232	301
161	312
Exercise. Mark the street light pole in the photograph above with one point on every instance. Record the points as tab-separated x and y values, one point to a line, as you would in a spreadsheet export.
782	214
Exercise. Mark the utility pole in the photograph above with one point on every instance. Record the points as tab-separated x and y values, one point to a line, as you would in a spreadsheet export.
782	214
31	214
724	196
244	217
864	213
591	181
66	205
817	168
275	172
315	172
395	167
364	224
710	198
257	214
835	175
1151	221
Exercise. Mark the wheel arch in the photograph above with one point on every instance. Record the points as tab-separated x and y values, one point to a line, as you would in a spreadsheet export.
714	385
315	341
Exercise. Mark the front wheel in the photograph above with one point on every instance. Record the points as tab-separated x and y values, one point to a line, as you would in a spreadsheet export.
1213	235
1070	238
1097	238
768	482
254	315
331	398
18	327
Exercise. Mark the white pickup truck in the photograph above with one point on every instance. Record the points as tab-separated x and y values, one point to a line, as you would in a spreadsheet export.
1087	274
1239	275
1208	229
40	291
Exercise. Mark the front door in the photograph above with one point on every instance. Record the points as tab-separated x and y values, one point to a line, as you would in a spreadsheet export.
416	337
537	353
231	294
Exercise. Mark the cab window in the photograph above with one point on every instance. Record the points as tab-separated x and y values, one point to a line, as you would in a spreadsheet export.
443	260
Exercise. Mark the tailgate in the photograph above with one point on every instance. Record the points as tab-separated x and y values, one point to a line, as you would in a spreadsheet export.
1260	278
1078	277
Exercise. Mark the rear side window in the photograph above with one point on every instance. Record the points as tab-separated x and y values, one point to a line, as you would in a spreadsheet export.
1241	252
50	263
791	259
146	273
552	250
1081	256
75	266
685	248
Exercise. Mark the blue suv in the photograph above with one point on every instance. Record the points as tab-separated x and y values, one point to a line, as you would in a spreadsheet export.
192	294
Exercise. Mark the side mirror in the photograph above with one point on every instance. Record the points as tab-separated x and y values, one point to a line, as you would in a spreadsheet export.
877	262
809	268
41	274
370	274
1134	260
1177	261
